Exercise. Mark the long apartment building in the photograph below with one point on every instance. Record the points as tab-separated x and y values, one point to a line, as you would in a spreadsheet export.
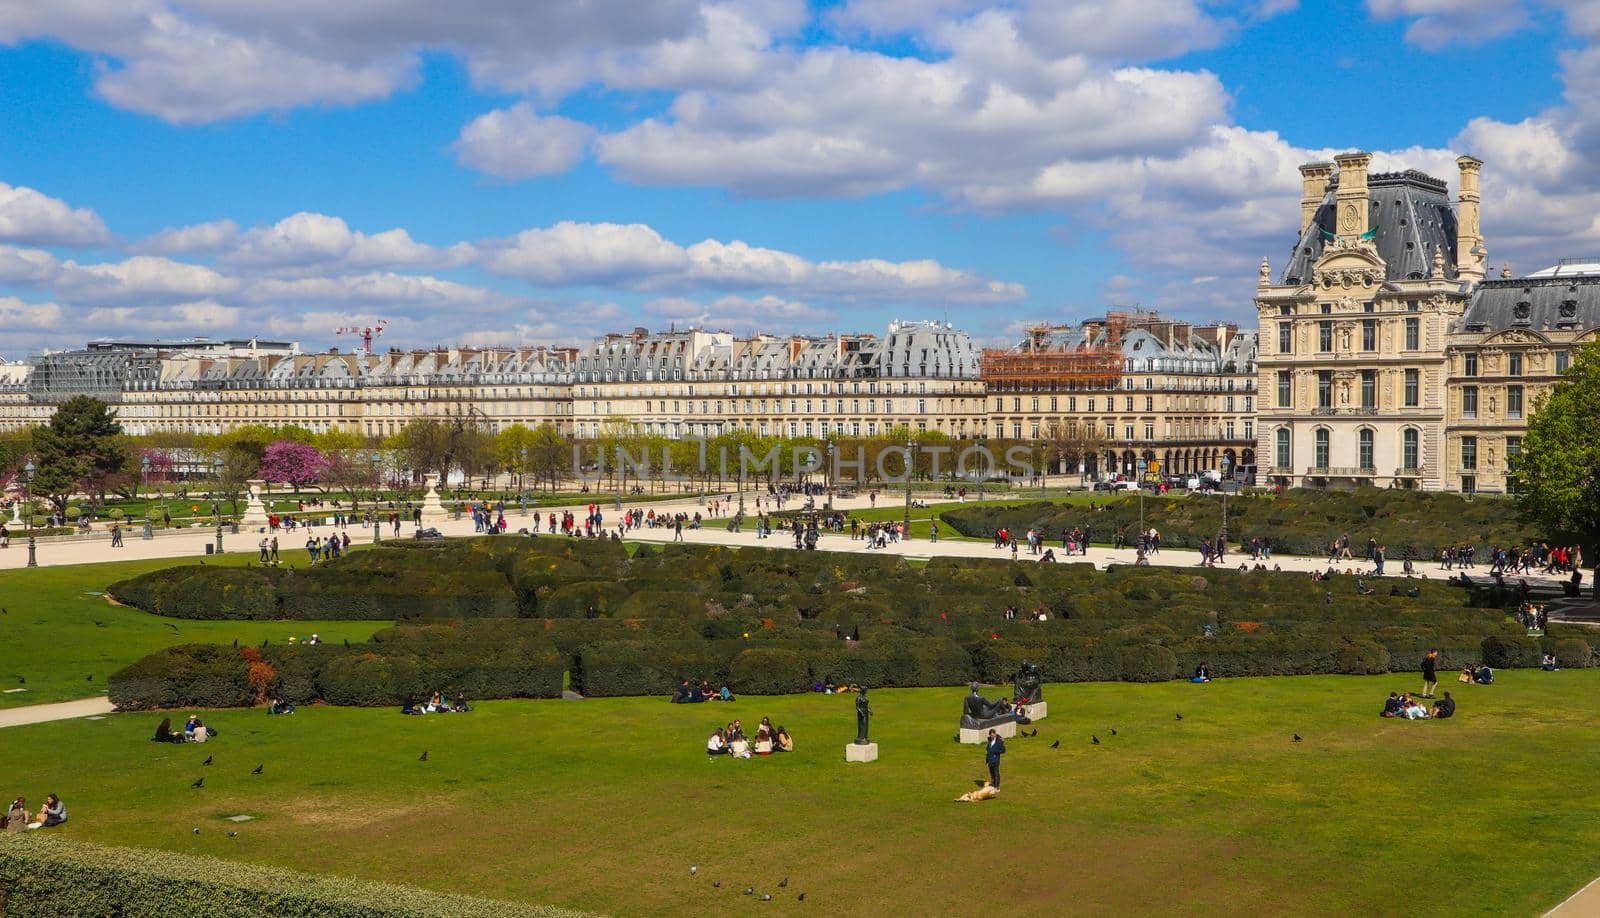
1177	394
1129	387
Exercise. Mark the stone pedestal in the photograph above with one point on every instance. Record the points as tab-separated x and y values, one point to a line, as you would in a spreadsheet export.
855	753
980	736
1039	710
432	510
255	512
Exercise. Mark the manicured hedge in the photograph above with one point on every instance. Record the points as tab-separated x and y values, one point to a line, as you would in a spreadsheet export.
1297	521
777	621
45	875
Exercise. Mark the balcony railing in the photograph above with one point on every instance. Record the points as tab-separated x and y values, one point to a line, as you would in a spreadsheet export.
1347	412
1341	471
1408	472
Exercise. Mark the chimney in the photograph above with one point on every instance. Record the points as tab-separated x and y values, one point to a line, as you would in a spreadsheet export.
1470	253
1354	210
1314	178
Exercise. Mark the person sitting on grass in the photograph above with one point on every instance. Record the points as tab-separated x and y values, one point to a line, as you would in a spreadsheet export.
725	694
1444	707
16	819
764	738
784	740
1414	709
53	814
680	695
164	732
1202	673
717	744
461	706
1549	664
194	731
738	746
279	706
1484	675
1467	672
1391	708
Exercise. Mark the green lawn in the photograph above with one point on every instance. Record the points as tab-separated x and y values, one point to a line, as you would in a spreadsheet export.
58	629
605	804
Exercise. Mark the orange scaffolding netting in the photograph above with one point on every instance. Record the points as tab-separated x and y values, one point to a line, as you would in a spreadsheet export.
1038	362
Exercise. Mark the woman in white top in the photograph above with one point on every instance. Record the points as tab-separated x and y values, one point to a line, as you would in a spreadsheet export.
716	745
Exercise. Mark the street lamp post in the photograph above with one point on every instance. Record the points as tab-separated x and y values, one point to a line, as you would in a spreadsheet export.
1141	498
216	507
1222	533
27	508
144	478
377	517
827	475
911	445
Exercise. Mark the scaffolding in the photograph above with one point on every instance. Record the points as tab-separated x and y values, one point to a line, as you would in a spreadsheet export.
1095	361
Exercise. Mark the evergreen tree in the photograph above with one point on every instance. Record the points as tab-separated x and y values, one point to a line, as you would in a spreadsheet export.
80	447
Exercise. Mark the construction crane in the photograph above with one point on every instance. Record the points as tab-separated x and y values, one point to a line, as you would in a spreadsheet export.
367	333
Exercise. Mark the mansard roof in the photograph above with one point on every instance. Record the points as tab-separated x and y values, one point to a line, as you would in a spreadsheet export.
1543	301
1411	214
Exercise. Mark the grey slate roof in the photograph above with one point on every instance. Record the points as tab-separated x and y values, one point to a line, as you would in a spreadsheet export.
1537	303
1413	216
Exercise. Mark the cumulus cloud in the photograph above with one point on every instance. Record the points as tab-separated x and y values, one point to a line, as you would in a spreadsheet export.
16	314
517	142
199	238
1436	23
30	217
311	240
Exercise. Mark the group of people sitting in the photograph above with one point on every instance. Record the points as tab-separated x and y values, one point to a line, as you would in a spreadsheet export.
436	704
829	687
694	694
1480	674
279	706
731	740
1410	707
193	731
17	818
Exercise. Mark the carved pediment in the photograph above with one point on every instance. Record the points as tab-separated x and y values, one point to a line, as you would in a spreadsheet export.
1348	266
1516	336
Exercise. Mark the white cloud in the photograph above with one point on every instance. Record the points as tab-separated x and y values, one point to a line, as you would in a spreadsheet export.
16	314
199	238
571	254
142	278
517	142
310	240
1437	23
743	314
30	217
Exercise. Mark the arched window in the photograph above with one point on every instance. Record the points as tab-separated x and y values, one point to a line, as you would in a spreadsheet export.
1366	447
1283	448
1409	452
1320	459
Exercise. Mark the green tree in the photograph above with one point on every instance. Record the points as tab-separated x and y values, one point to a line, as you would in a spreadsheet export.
1557	476
80	447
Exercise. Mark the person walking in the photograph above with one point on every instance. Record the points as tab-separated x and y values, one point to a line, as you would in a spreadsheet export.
116	535
992	752
1430	673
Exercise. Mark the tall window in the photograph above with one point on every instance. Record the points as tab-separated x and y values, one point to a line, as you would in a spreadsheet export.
1324	336
1514	363
1408	448
1282	447
1513	401
1563	360
1513	452
1469	452
1413	334
1285	389
1321	457
1469	401
1412	386
1369	334
1285	338
1324	388
1365	440
1369	388
1469	364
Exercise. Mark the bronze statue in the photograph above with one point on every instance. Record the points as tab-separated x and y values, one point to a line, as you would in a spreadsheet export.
979	713
863	714
1029	684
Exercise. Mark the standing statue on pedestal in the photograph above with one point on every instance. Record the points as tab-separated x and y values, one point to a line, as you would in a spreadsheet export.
863	715
1029	684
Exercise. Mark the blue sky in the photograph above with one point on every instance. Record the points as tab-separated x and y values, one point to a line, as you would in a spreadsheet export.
509	173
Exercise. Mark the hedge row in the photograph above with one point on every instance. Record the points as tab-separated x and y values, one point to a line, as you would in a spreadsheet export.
45	875
376	673
1297	521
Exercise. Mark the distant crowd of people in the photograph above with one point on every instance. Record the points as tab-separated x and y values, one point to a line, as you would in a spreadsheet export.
436	704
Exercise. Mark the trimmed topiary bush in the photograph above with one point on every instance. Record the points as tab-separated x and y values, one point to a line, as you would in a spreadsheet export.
769	671
1147	663
1573	653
